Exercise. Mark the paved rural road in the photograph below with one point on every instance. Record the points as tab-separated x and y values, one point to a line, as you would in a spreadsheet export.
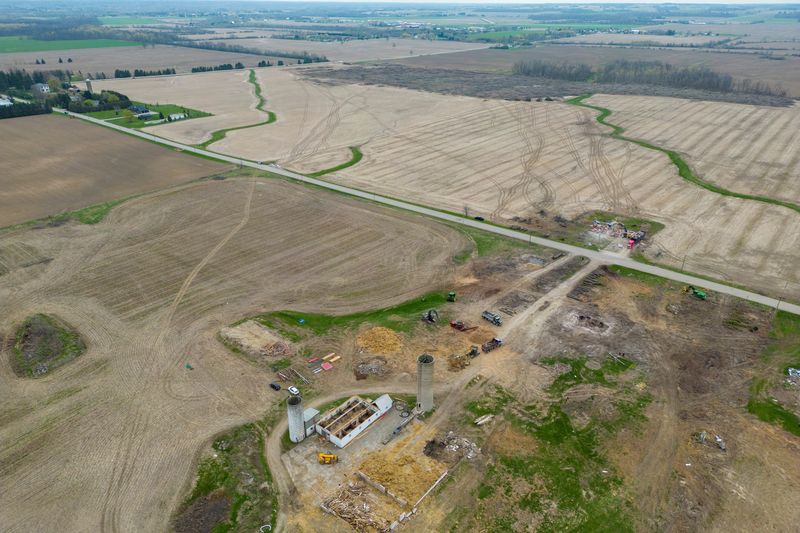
599	256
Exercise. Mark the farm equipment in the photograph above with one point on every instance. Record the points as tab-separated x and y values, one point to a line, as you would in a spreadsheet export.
493	344
473	351
697	293
327	458
494	318
431	316
451	296
461	326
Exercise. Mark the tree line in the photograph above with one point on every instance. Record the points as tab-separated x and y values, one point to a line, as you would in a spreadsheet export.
648	73
22	79
125	73
224	66
20	109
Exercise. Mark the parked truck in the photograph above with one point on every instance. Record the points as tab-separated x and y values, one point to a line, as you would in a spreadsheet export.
494	318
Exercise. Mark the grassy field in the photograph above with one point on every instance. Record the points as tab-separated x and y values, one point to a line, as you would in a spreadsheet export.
23	44
402	317
569	470
118	118
782	353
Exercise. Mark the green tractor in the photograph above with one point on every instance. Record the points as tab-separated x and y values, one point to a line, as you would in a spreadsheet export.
451	296
697	293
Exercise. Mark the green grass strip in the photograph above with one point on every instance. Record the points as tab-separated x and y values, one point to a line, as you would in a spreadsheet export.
354	158
683	168
271	117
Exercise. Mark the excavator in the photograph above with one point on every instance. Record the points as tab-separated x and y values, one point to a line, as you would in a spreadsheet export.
327	458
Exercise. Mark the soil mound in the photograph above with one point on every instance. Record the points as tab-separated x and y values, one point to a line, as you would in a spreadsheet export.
380	340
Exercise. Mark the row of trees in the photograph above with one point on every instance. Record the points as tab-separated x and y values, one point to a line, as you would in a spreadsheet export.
224	66
263	63
556	71
304	57
22	79
125	73
23	110
646	73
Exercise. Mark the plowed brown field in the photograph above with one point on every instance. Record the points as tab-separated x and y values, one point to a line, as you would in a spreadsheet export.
115	434
504	159
744	148
54	164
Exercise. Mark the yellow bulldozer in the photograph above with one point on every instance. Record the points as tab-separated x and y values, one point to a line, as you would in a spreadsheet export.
327	458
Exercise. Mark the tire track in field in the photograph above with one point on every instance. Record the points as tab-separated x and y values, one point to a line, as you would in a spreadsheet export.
125	458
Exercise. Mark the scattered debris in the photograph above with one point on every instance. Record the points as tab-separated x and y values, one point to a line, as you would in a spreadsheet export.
256	340
349	503
370	367
592	322
587	284
485	419
451	448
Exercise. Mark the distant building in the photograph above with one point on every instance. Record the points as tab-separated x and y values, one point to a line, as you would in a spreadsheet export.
176	116
146	115
138	109
89	86
5	101
40	90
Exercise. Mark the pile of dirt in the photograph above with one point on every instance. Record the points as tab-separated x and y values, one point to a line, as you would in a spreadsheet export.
408	476
380	340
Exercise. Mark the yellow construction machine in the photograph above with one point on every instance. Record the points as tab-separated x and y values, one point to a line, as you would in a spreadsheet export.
327	458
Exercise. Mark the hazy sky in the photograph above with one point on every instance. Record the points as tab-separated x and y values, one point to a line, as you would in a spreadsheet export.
488	2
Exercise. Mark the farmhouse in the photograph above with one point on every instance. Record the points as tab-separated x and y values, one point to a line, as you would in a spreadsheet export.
40	90
5	101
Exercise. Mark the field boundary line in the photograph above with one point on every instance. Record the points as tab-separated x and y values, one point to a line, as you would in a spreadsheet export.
601	256
218	135
355	157
684	170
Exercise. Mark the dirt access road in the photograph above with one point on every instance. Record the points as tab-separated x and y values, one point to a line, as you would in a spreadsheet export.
148	288
602	257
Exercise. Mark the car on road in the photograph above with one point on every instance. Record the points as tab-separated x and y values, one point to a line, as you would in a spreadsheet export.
479	219
294	391
274	386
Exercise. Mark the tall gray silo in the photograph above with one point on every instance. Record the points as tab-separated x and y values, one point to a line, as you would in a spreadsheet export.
425	383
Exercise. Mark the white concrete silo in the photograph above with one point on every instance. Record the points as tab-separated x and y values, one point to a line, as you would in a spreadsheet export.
297	430
425	383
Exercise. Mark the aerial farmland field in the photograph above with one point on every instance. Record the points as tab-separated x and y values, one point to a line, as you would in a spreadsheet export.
357	50
44	173
503	160
107	60
227	95
147	289
19	44
743	148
